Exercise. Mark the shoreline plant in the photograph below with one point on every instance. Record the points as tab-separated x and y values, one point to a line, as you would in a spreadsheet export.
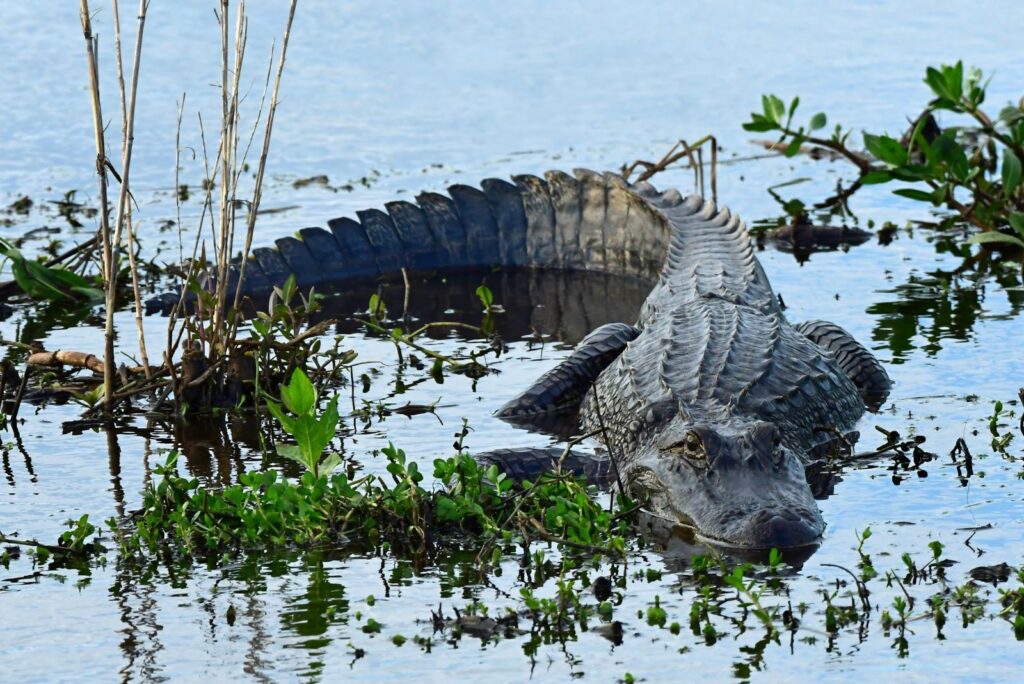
973	168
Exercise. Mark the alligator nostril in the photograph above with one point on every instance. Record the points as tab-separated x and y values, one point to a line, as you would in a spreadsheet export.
778	531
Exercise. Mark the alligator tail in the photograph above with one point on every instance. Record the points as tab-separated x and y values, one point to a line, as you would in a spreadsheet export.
587	222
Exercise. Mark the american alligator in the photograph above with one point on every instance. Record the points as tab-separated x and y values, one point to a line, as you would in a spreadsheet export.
710	405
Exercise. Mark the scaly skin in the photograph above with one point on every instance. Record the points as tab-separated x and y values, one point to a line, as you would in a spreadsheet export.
712	409
711	404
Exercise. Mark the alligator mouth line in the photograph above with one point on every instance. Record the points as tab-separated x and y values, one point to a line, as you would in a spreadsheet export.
680	520
740	547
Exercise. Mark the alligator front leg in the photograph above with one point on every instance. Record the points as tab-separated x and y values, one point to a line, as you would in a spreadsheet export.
859	364
529	463
562	388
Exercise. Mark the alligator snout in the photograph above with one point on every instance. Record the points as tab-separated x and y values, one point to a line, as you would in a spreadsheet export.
780	532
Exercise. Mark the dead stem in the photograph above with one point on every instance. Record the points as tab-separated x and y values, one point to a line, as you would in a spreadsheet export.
133	266
77	359
262	165
405	295
173	317
109	267
681	150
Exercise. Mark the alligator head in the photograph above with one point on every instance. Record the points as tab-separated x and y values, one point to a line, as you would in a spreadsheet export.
735	482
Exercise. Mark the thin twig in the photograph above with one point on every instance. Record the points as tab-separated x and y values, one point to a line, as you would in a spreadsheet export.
405	296
123	212
133	266
109	266
262	165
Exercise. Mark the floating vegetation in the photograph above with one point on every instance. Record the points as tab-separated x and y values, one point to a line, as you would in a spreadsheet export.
974	170
257	505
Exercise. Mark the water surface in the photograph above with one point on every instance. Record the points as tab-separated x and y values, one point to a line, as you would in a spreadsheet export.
415	97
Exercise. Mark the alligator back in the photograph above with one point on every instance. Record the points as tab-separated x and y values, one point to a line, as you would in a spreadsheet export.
713	361
587	222
709	254
715	346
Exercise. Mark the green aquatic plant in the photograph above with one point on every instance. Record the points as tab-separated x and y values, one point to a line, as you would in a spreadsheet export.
472	503
48	283
973	169
311	432
265	510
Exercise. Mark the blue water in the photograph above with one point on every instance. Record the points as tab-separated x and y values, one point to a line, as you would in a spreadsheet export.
417	96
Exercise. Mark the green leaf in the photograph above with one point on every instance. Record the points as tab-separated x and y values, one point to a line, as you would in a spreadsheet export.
328	423
1017	221
936	82
31	277
292	453
913	194
331	463
875	177
992	236
759	124
818	121
286	421
955	79
792	106
75	283
793	148
911	173
44	282
10	251
288	289
1011	172
774	108
299	395
307	434
376	307
946	150
886	149
485	295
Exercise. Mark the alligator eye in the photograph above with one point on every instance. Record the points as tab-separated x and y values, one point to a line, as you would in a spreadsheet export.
694	447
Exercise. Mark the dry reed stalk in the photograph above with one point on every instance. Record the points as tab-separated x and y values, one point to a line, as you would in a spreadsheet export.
123	209
132	264
172	319
262	165
111	244
223	176
228	156
91	49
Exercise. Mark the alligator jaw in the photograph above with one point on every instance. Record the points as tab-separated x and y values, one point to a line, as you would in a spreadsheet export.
767	530
747	492
775	533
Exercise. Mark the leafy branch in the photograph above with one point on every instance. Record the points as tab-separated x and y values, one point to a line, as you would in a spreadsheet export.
974	170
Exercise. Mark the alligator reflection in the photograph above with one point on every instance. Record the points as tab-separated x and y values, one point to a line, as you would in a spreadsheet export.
547	306
561	305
